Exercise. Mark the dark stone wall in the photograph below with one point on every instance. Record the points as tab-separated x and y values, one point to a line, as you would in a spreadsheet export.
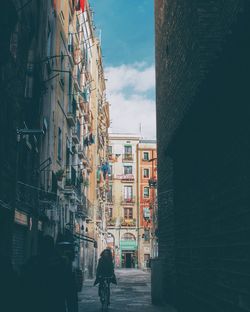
203	113
22	35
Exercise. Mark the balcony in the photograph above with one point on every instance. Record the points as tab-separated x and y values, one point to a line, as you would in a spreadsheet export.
71	118
71	115
128	201
81	152
127	178
84	99
128	222
82	209
76	133
72	183
152	183
71	178
127	157
77	79
111	222
84	106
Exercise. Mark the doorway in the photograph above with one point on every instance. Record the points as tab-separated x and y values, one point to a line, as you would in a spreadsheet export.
128	262
128	259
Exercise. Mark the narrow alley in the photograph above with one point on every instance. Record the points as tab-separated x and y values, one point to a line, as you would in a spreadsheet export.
125	147
131	294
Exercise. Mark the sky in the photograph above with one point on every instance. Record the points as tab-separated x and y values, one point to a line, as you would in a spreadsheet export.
126	29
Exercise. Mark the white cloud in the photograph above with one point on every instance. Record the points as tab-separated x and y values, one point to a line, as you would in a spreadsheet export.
128	89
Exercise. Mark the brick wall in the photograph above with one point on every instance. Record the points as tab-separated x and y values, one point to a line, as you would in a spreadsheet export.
203	66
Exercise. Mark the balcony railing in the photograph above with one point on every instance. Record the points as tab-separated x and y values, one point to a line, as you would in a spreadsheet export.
128	157
111	222
71	115
152	183
127	177
128	222
76	133
128	201
81	152
71	176
73	183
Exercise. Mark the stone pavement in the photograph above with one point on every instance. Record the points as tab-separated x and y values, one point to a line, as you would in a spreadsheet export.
132	294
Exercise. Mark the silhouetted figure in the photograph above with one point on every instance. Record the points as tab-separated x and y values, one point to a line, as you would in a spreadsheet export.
66	251
46	281
105	268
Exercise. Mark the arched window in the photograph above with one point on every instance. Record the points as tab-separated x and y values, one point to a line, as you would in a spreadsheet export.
128	236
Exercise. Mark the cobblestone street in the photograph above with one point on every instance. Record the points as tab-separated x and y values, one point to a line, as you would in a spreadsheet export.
131	294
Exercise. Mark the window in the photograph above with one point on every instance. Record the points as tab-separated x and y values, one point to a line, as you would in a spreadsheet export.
128	192
146	192
128	213
110	193
110	212
146	156
110	170
110	150
68	150
128	170
146	213
59	144
145	173
70	43
146	235
128	150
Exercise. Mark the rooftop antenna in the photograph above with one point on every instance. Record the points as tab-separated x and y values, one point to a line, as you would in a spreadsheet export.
140	129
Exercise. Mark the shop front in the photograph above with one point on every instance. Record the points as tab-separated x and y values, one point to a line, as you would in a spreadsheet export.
128	246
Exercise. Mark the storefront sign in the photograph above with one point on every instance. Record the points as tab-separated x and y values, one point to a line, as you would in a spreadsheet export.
128	245
21	218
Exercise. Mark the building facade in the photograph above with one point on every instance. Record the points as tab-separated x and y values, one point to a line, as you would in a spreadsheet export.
147	201
58	105
202	74
122	212
22	87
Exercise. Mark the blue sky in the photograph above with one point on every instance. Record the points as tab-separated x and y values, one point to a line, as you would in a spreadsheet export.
127	35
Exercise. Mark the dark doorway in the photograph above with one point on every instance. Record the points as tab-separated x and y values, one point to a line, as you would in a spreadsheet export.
128	260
